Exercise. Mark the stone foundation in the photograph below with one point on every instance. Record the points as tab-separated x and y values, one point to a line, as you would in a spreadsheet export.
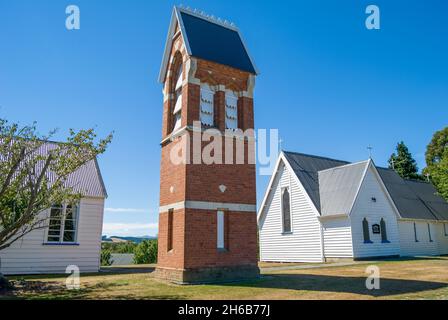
207	275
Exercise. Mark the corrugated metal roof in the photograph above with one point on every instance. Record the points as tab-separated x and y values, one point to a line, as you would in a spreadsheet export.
339	186
406	200
413	199
306	168
428	194
87	180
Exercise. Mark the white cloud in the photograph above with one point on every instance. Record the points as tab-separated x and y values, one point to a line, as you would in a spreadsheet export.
130	229
126	210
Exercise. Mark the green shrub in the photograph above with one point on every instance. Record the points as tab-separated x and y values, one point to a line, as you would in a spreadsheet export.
119	247
146	252
106	257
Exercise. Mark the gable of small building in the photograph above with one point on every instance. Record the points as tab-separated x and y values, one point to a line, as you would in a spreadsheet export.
33	254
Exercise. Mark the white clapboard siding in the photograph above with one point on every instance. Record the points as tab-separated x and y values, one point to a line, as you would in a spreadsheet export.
422	247
364	207
304	243
29	255
337	238
442	237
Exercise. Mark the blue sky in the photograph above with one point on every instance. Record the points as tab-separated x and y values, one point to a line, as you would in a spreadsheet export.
328	84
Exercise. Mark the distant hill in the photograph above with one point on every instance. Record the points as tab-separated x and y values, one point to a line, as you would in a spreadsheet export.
124	239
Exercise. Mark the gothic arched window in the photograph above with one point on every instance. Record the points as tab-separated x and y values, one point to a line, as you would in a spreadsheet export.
383	231
366	231
429	233
415	232
286	211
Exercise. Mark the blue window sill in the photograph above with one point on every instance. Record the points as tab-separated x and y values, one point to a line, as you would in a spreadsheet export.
366	242
60	244
286	233
222	250
385	241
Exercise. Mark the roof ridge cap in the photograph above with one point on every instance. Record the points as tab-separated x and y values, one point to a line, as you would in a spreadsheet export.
209	18
315	156
416	180
347	165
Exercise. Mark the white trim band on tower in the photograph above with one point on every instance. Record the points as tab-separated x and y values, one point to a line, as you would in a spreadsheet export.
205	205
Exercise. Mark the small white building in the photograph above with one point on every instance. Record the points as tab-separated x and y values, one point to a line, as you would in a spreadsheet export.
318	209
74	241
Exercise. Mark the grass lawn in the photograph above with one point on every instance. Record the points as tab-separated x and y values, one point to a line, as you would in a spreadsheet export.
425	278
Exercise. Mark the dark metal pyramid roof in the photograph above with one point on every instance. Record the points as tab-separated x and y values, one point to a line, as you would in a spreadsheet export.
214	42
208	39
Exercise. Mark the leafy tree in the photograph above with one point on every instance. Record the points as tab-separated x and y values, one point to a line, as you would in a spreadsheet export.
120	247
27	160
403	163
436	148
437	161
146	252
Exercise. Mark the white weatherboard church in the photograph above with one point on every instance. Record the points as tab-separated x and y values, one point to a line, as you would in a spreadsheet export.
318	209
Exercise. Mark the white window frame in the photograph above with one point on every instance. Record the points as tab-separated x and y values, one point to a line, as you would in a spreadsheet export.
231	111
62	230
207	101
282	189
220	227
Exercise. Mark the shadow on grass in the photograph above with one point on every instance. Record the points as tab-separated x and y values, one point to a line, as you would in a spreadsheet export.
126	270
50	290
339	284
401	259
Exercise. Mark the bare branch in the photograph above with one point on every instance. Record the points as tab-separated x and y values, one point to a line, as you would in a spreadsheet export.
12	170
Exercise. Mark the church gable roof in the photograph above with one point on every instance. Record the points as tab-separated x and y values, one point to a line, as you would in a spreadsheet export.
208	39
413	199
306	168
339	186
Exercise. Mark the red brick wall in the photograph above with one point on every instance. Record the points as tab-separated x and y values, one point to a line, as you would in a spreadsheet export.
203	180
201	239
215	73
175	257
192	101
246	109
171	175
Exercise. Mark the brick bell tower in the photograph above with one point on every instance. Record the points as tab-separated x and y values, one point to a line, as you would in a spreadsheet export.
207	214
